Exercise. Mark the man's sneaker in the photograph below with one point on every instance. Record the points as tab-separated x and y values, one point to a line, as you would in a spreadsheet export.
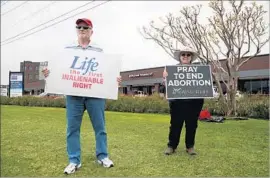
106	162
71	168
169	151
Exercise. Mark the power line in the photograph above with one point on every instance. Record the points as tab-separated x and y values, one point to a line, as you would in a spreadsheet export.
34	13
14	8
47	22
3	3
56	23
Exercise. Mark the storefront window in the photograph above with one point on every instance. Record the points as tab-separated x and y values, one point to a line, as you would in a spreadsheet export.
247	86
124	90
255	86
265	86
162	89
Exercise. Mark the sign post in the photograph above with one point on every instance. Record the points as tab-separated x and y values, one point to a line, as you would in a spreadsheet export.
189	82
85	73
16	84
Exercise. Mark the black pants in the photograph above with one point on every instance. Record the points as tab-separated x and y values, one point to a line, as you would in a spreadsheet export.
184	111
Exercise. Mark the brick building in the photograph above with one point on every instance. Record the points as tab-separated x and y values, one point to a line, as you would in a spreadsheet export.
32	84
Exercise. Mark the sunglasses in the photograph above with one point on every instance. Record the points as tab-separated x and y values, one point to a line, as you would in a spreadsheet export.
83	27
186	55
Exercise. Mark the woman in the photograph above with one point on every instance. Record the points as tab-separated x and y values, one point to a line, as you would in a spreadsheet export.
183	110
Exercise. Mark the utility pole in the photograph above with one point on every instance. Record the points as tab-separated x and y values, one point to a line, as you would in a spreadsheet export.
23	74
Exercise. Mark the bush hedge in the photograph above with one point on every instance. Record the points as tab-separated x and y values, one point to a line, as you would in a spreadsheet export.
248	106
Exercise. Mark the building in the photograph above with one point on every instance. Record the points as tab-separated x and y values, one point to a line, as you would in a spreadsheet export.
32	84
4	90
147	81
253	78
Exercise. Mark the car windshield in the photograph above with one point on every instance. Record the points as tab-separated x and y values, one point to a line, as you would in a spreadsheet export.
43	94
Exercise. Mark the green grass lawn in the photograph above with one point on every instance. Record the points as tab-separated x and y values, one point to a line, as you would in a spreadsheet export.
33	144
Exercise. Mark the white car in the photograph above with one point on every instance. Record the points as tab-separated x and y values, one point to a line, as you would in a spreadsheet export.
139	94
238	95
215	92
50	95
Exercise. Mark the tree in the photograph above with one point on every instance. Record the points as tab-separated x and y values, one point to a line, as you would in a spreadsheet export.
230	34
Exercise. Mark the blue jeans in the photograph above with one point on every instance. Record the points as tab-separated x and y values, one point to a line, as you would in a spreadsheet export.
75	107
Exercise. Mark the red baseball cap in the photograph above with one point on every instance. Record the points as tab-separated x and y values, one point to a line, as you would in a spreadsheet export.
85	20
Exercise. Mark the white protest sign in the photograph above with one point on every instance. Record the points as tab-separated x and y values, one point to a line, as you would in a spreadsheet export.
86	73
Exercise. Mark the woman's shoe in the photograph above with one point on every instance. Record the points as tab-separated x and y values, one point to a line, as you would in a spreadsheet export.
169	151
191	151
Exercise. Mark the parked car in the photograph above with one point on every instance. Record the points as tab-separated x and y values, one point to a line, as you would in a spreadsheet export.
50	95
215	92
238	95
139	94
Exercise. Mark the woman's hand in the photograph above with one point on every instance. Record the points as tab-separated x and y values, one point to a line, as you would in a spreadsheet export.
165	73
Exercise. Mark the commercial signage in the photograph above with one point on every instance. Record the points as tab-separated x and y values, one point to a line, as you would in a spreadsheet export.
140	75
16	86
189	81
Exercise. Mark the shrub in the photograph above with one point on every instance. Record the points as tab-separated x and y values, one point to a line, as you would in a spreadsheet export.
247	106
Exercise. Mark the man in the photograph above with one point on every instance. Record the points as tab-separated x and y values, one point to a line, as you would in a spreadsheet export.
75	107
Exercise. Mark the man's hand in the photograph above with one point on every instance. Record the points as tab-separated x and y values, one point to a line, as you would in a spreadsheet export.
119	80
45	72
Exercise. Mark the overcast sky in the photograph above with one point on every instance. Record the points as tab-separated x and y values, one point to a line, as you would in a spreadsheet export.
115	30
